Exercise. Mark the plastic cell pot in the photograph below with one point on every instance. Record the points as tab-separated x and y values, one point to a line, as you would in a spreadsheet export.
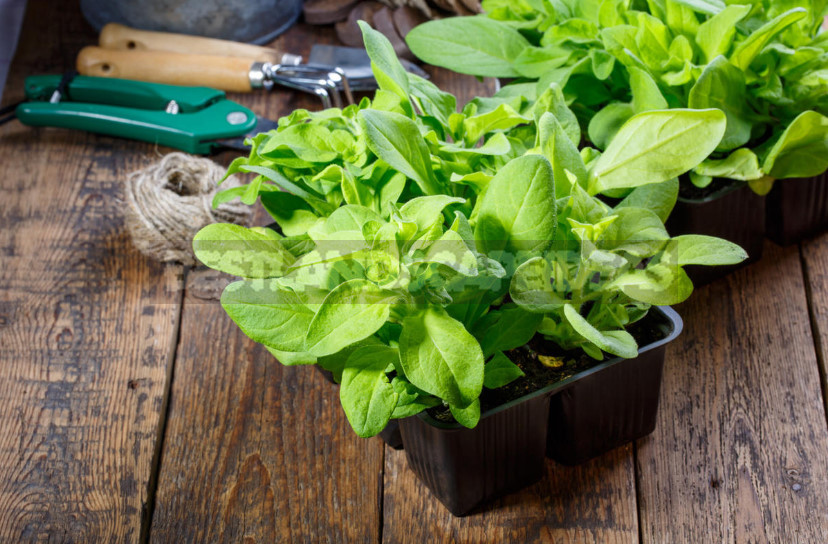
734	213
797	209
465	468
613	403
600	408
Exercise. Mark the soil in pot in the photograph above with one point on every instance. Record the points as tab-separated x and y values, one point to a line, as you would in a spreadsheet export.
544	363
725	209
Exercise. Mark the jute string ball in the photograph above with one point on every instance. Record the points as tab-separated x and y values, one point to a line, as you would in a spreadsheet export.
170	201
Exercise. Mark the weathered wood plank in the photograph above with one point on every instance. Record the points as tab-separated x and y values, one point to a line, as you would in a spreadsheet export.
86	324
739	452
815	261
256	451
594	502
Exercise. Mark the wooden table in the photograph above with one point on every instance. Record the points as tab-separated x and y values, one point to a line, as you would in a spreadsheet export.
132	409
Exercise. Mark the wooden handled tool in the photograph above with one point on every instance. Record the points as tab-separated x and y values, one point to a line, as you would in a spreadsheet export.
236	74
115	36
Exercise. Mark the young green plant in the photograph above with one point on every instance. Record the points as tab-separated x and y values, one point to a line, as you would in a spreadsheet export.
413	297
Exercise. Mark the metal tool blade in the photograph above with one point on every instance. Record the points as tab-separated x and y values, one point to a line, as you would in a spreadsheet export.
356	64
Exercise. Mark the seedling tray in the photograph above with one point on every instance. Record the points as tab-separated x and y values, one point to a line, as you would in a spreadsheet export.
797	209
466	468
612	403
734	213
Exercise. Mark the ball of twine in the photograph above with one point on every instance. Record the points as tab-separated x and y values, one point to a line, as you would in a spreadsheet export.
170	201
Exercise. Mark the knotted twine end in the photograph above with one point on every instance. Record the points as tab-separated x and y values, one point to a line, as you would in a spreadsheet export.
170	201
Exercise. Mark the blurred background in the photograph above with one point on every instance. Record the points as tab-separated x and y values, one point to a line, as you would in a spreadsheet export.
11	16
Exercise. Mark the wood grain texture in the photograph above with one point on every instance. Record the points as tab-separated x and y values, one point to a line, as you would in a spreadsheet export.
739	451
594	502
115	36
815	264
86	323
218	72
254	451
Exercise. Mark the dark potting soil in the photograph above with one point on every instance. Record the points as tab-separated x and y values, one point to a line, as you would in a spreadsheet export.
689	191
564	364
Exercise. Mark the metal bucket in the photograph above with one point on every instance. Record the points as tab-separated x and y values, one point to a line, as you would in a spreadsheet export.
254	21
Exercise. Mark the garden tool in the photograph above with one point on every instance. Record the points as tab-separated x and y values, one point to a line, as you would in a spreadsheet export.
189	60
193	119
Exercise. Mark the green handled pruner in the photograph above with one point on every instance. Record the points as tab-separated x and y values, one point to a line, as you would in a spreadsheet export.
193	119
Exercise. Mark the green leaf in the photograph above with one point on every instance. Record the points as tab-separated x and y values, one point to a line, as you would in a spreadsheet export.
411	400
506	329
619	343
700	180
655	146
498	144
653	40
469	45
440	357
531	287
396	139
427	211
573	30
605	124
451	251
284	184
292	358
345	219
602	63
335	363
709	7
706	250
468	416
562	154
742	164
308	142
388	71
761	186
660	198
367	396
293	214
534	62
663	284
241	251
716	34
681	19
501	118
431	100
227	195
802	150
268	314
636	231
500	371
722	86
352	311
645	92
747	50
517	212
552	101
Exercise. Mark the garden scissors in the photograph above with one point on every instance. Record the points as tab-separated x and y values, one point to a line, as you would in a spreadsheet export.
193	119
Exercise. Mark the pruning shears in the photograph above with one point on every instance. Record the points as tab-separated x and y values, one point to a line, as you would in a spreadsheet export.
193	119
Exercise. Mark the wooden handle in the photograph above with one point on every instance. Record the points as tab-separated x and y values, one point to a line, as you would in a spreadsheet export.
115	36
225	73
